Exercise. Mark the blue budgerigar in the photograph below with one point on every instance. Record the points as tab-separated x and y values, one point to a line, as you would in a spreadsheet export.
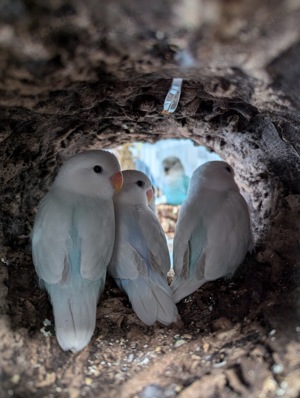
140	259
175	181
213	232
72	242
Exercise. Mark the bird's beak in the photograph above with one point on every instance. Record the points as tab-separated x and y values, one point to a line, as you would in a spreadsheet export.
149	194
117	181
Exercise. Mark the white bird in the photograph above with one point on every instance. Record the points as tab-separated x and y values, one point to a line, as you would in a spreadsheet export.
140	259
175	181
72	242
213	232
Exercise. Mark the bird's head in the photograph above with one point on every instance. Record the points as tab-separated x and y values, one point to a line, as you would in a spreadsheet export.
216	174
172	165
94	173
137	188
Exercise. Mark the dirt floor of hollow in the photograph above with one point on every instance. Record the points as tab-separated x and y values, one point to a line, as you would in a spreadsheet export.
237	337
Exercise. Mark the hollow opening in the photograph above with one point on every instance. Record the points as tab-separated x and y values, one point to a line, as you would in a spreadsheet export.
150	158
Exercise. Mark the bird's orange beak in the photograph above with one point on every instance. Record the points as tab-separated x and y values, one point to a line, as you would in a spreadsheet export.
117	181
149	194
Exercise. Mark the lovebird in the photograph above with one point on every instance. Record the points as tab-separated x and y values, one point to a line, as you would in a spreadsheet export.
175	182
140	259
72	242
213	233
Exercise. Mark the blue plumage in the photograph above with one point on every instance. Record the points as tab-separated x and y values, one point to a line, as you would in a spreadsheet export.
175	190
175	182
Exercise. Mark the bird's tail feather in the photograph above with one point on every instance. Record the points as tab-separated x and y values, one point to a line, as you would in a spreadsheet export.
75	314
182	288
151	301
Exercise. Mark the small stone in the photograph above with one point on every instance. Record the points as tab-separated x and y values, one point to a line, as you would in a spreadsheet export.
277	368
145	361
219	364
179	343
280	392
88	381
187	336
130	358
206	347
15	379
157	391
93	370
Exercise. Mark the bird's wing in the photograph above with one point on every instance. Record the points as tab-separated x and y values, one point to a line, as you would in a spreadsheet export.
95	224
228	236
155	241
140	244
189	243
189	260
126	263
137	270
51	239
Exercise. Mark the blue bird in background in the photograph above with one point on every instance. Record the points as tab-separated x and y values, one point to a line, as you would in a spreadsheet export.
174	182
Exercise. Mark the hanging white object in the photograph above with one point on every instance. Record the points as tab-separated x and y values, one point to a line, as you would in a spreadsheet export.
173	96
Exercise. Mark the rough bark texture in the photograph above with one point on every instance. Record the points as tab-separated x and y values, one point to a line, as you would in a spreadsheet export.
81	74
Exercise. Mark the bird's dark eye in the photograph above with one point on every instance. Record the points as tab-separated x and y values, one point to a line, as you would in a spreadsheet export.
140	183
98	169
228	169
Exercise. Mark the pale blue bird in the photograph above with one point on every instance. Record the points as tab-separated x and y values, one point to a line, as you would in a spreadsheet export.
72	242
175	181
140	259
213	231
